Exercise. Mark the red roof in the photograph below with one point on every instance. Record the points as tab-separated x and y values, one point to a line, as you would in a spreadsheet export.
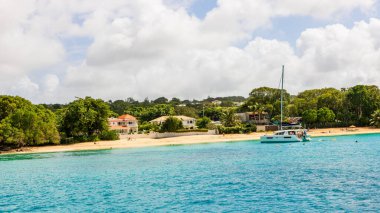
127	117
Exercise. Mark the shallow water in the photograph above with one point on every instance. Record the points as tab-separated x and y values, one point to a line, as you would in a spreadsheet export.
328	174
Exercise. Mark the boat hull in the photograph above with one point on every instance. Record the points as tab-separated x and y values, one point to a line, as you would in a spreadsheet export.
282	139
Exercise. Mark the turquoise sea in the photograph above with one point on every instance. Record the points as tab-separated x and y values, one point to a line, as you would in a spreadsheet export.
325	175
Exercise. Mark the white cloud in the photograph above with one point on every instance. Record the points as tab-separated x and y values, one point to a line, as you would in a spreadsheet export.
235	20
51	82
25	85
155	48
341	56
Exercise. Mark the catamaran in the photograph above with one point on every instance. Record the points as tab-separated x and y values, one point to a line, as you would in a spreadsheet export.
286	135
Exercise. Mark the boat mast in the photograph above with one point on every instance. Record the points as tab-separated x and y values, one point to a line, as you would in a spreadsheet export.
282	89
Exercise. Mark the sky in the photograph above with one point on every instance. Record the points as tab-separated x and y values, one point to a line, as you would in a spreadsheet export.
52	51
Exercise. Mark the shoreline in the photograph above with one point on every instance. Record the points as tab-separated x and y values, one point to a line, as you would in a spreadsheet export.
183	140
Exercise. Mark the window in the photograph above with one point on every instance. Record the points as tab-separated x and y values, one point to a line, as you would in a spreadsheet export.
280	133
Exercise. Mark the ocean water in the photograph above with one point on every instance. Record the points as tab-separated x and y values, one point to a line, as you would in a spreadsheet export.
327	174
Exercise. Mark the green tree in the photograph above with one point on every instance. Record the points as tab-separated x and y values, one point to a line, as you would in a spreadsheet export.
171	124
147	126
161	100
227	104
53	107
175	101
203	122
119	106
266	95
363	100
29	126
84	117
259	108
156	111
229	118
310	116
375	119
186	111
214	113
303	104
325	115
291	110
136	111
11	136
331	98
9	104
149	113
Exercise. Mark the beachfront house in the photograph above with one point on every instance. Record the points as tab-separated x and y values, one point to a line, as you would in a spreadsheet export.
124	124
258	118
187	122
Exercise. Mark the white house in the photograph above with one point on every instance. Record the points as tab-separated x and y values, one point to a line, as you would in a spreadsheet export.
124	124
187	122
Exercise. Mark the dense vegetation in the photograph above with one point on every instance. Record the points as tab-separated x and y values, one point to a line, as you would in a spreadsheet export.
375	119
25	124
22	123
171	124
85	119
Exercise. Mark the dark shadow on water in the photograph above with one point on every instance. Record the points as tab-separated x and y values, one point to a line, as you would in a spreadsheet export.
12	157
88	153
175	145
244	141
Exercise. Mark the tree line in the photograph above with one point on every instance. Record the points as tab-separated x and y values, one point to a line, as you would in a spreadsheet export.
326	107
85	119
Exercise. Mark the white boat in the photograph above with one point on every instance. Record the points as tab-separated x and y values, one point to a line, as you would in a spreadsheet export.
286	136
289	135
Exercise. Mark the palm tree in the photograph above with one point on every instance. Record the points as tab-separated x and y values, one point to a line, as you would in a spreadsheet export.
256	107
229	118
375	119
260	110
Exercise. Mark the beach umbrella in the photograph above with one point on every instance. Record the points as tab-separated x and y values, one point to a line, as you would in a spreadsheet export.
352	126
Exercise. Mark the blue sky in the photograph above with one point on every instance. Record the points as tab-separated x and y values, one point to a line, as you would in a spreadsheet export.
201	7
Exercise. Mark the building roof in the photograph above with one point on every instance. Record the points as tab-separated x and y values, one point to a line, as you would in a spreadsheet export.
127	117
114	120
180	117
294	120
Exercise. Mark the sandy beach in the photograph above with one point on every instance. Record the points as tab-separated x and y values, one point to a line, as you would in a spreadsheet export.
197	139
